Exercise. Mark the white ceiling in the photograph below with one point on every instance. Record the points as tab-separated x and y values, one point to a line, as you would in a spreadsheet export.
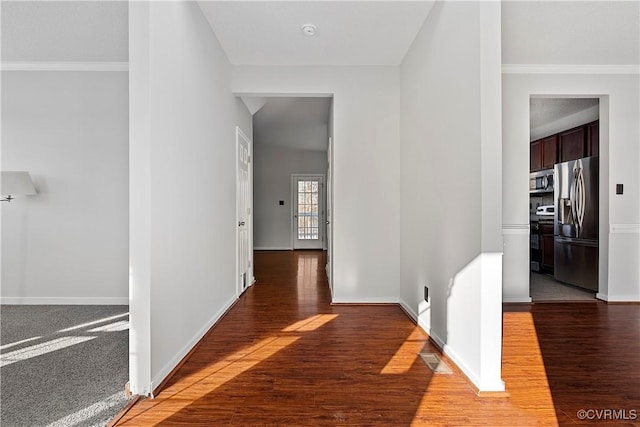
348	32
544	111
571	32
80	31
298	123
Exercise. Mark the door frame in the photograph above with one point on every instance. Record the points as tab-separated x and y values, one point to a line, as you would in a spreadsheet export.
322	200
603	188
250	276
329	215
306	93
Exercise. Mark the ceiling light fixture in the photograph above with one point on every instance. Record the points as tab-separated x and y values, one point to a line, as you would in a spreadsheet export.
309	29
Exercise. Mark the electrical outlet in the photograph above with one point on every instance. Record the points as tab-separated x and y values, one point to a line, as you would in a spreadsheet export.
426	293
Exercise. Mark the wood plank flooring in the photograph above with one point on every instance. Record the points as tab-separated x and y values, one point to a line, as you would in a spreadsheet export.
285	356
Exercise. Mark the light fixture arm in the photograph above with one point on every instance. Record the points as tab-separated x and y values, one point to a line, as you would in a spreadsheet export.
16	183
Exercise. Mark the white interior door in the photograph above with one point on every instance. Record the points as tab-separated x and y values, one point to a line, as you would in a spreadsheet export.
308	212
329	214
243	209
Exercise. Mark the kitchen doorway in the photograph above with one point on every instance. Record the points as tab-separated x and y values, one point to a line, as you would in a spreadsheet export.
564	198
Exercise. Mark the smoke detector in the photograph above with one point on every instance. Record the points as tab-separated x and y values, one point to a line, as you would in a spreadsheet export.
309	29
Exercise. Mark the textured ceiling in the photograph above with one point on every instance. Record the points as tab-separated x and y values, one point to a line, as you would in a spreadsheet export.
80	31
348	32
544	111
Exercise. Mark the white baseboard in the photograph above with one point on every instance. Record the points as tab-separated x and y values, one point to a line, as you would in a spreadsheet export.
459	362
365	301
446	349
434	337
618	298
528	299
410	312
455	358
64	300
272	248
171	364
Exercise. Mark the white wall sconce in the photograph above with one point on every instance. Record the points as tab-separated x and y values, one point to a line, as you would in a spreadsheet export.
16	184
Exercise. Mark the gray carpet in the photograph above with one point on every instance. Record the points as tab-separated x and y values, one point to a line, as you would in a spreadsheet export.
62	365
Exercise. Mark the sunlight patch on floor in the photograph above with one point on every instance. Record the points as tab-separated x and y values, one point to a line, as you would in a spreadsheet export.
310	324
121	325
194	387
523	372
13	344
525	364
40	349
94	322
407	353
222	372
80	417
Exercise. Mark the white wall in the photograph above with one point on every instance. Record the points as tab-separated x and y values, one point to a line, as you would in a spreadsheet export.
366	226
244	118
183	231
69	243
272	170
450	185
619	158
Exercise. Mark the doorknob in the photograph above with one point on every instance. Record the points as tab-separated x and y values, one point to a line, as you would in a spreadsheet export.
240	223
328	222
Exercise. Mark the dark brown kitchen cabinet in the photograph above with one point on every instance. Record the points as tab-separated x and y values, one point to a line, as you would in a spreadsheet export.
544	153
593	138
546	247
573	144
549	151
536	156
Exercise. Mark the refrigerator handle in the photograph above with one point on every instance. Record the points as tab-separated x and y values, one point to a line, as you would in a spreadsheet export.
578	197
572	199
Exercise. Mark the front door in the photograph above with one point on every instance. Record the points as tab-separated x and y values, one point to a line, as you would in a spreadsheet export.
308	212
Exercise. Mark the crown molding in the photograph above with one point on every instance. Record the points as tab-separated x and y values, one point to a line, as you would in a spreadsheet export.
570	69
64	66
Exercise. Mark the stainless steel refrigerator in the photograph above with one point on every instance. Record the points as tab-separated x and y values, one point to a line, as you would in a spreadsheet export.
576	222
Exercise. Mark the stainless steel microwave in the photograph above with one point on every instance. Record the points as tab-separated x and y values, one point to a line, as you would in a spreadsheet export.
541	182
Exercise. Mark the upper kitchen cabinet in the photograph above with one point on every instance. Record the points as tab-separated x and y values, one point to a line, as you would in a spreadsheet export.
593	138
544	153
549	151
573	144
536	156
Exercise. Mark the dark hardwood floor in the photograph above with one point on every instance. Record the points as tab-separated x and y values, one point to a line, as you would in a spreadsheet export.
285	356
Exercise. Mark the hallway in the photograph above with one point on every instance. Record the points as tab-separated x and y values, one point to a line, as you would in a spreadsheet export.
284	355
